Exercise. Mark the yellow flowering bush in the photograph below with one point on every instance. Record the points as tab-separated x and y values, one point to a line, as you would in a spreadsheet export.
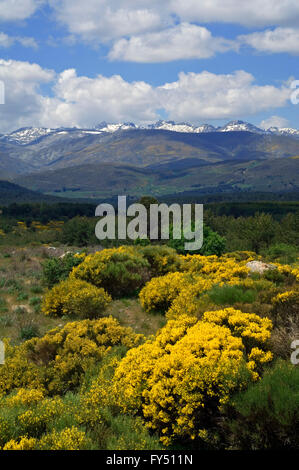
286	305
120	271
67	439
220	269
162	259
57	362
159	292
254	331
25	397
75	297
18	371
189	370
178	293
24	443
33	421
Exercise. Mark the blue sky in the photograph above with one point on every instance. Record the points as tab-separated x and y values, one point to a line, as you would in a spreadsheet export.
74	63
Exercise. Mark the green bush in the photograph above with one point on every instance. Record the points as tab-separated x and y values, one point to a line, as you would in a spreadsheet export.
58	269
120	271
282	253
79	231
162	259
29	331
213	243
229	295
266	416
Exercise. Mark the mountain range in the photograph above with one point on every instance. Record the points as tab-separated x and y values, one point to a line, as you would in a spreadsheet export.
28	135
160	158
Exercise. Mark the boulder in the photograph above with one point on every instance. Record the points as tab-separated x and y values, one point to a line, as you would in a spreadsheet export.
259	266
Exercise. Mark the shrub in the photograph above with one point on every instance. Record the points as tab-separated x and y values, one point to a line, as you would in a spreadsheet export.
58	269
24	443
67	439
229	295
79	231
213	243
254	331
162	259
286	305
159	293
266	416
282	253
180	380
179	292
120	271
58	361
29	331
75	298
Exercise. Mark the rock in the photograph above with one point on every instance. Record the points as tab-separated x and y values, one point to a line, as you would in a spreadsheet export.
66	253
20	308
259	266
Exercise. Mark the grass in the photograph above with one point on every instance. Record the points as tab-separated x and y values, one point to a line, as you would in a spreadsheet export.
229	295
130	313
21	293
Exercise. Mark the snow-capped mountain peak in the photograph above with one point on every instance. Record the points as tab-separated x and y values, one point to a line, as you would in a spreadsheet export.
283	131
26	135
104	127
31	135
239	126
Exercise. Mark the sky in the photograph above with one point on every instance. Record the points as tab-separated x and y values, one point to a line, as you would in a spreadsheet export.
67	63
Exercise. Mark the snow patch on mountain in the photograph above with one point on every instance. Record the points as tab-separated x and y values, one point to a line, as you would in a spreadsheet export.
30	135
26	135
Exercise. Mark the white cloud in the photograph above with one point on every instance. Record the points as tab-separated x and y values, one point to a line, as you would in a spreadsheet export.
103	20
276	40
5	40
274	121
8	41
99	21
205	96
82	101
12	10
184	41
249	13
23	98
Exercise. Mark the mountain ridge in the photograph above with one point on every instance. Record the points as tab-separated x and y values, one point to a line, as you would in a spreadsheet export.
28	135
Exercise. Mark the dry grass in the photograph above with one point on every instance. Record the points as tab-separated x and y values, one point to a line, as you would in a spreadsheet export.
21	292
130	313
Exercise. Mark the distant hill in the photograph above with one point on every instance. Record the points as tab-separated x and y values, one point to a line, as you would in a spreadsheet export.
13	193
165	158
106	180
140	148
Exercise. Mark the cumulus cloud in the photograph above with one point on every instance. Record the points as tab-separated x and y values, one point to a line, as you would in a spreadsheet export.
253	13
8	41
274	41
24	101
103	20
82	101
274	121
12	10
184	41
211	96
